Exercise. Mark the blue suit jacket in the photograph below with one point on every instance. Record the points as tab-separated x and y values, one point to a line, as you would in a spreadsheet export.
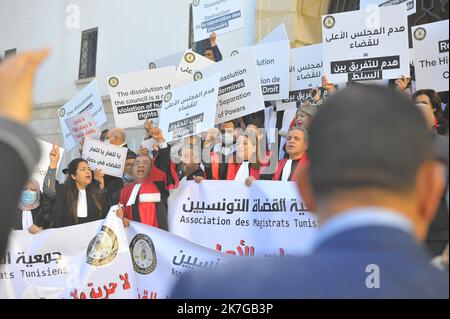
336	269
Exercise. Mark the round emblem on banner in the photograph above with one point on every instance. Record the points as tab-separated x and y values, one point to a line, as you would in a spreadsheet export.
103	248
196	3
152	66
62	112
329	22
113	82
420	34
167	97
234	52
189	57
143	254
198	76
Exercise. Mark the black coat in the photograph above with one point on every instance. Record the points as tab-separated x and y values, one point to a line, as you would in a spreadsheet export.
41	215
62	215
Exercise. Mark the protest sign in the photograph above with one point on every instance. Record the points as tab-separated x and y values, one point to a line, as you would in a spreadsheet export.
272	60
170	60
305	74
41	168
190	65
107	157
430	54
267	219
276	35
360	46
190	109
81	126
136	97
240	90
410	4
219	16
87	100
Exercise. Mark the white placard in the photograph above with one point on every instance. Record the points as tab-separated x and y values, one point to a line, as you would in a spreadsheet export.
190	65
136	97
170	60
219	16
107	157
277	34
430	43
81	126
410	4
41	168
189	110
240	90
229	216
272	60
360	46
87	100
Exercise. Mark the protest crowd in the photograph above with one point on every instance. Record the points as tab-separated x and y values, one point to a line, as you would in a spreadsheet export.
277	143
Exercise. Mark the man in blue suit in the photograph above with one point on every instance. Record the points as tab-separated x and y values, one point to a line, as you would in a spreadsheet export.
376	186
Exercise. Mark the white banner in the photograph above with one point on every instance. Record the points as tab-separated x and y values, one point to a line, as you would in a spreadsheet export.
240	90
360	46
107	157
190	65
100	260
87	100
136	97
41	168
430	42
272	60
267	219
410	4
189	110
219	16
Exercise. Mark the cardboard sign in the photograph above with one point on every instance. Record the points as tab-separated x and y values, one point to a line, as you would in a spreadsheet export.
219	16
87	100
430	42
81	126
360	46
41	168
240	90
189	110
109	158
136	97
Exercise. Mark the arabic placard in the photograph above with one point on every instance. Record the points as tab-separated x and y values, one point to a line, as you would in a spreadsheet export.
136	97
267	219
81	126
219	16
189	110
240	90
87	100
410	4
359	49
430	42
107	157
190	65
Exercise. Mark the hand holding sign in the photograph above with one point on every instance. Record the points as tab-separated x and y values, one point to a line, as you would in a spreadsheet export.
54	156
402	83
157	135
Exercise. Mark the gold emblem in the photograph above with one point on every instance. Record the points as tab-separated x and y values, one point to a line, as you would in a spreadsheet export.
103	248
329	22
113	82
143	254
420	34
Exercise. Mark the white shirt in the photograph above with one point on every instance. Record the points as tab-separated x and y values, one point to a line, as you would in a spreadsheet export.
82	210
242	173
286	171
133	195
27	219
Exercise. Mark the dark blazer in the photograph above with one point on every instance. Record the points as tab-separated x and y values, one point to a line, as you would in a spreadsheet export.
20	153
338	268
61	213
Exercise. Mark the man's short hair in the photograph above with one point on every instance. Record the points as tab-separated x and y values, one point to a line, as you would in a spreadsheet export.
367	136
131	155
302	129
118	133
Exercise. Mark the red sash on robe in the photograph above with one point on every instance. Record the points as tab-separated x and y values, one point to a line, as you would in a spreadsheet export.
278	173
233	169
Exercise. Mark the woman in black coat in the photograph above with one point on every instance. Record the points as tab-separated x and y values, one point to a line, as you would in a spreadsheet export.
80	199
